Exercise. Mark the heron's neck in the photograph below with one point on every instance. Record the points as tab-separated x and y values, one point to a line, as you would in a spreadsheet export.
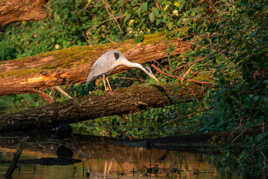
132	64
137	65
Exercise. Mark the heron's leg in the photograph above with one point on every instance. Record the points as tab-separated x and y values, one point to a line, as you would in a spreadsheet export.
104	82
110	88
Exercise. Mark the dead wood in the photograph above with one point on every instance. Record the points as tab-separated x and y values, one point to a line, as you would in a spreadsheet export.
181	78
71	65
18	10
120	101
17	154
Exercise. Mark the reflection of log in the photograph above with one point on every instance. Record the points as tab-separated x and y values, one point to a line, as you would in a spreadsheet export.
17	154
100	150
122	100
69	66
94	147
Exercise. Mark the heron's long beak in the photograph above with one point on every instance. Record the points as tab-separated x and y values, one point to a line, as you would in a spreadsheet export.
149	73
152	76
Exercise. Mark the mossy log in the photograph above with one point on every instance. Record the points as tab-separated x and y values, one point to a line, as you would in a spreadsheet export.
120	101
18	10
72	65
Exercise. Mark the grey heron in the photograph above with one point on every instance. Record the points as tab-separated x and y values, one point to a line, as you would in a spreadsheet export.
107	62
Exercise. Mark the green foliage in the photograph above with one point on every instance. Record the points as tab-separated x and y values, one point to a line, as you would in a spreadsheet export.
150	123
7	51
85	22
236	42
18	103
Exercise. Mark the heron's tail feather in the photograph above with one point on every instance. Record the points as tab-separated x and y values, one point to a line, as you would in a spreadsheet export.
90	78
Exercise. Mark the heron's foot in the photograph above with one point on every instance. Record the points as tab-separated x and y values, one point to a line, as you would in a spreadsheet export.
110	91
107	89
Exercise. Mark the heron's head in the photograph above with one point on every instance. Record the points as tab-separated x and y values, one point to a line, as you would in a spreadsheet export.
118	57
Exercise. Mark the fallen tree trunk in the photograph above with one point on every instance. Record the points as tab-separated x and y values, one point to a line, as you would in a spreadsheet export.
18	10
71	65
121	101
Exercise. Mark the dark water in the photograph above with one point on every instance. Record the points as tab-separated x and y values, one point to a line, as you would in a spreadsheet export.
101	158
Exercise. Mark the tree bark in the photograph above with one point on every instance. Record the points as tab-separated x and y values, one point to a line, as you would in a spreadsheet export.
72	65
21	10
120	101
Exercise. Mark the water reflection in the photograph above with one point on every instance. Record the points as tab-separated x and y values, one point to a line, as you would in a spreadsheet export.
101	158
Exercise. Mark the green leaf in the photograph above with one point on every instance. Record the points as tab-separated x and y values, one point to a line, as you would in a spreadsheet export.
140	38
155	12
151	17
127	16
170	25
144	7
139	11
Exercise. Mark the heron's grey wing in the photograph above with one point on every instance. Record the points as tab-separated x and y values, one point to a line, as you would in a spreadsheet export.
103	65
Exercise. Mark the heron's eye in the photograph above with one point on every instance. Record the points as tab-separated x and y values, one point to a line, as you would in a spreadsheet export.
116	55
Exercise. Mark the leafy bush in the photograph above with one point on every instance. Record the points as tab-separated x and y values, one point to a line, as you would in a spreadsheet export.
170	120
85	22
238	35
7	50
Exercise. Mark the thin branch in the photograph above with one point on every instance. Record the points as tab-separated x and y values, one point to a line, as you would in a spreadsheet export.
59	89
200	82
108	9
129	78
17	154
238	136
118	17
189	70
164	73
264	157
180	78
186	73
178	119
43	95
